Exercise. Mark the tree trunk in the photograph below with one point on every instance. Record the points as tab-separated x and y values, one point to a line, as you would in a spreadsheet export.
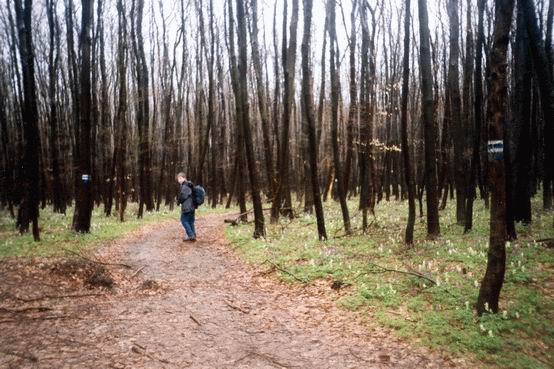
334	115
478	117
430	131
31	180
489	293
408	175
309	116
545	81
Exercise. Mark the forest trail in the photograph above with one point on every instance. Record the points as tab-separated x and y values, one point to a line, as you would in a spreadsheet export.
207	309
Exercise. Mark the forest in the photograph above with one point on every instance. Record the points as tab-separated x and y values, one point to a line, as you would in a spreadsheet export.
367	143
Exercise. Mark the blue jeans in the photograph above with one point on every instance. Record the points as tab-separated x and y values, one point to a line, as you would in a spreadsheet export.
187	220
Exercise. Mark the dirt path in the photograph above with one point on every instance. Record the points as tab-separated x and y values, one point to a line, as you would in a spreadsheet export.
203	308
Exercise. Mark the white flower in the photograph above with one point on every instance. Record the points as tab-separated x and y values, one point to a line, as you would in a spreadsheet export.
490	333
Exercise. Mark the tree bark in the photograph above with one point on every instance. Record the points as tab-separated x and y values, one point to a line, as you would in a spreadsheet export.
309	116
408	175
489	293
430	131
31	181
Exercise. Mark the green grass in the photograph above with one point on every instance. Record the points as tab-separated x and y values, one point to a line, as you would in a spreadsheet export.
57	235
442	316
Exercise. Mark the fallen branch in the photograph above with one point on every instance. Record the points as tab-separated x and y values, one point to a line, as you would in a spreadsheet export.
24	310
22	355
194	320
97	261
138	349
383	269
237	308
235	221
137	272
54	317
548	242
285	271
51	297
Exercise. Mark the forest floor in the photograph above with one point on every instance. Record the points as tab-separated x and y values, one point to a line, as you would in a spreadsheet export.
163	303
425	294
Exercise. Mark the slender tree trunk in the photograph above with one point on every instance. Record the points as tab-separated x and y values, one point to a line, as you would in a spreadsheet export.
262	101
58	193
307	98
491	285
259	230
478	117
455	110
408	175
334	115
282	191
545	81
430	131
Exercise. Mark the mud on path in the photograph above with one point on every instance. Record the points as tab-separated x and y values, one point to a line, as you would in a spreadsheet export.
196	305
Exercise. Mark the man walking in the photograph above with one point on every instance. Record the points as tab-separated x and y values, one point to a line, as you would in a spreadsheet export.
185	199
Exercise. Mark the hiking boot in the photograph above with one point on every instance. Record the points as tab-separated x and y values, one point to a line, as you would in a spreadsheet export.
185	239
192	239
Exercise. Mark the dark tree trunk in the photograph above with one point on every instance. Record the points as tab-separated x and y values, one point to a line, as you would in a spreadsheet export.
491	285
84	199
408	175
242	99
282	201
545	81
458	136
58	192
521	133
142	114
31	181
430	131
309	116
121	115
262	102
334	115
478	117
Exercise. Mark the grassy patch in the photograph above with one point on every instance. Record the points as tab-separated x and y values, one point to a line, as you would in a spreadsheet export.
438	316
56	233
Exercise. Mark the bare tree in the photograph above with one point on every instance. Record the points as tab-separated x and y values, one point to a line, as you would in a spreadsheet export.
430	131
489	293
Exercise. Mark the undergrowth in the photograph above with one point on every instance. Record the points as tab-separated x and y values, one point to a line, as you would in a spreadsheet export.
57	236
440	316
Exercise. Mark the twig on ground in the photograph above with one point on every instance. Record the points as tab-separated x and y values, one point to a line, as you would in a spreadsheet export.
137	271
383	269
97	261
138	349
235	221
237	308
53	317
194	320
23	355
24	310
285	271
548	242
51	297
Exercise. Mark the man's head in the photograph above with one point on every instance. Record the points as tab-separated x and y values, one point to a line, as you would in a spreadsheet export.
181	177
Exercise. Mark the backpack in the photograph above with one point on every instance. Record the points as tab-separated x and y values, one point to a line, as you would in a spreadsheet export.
198	195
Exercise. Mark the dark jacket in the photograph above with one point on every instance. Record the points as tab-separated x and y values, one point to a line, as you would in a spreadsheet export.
185	197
